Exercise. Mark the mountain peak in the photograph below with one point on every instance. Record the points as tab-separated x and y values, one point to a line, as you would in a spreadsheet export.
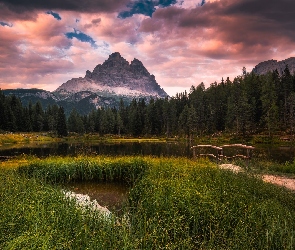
271	65
115	77
115	60
137	67
115	55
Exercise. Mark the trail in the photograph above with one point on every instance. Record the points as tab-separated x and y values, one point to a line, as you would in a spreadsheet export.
274	179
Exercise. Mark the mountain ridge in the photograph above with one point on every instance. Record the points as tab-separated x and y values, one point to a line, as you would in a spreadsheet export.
114	80
117	77
271	65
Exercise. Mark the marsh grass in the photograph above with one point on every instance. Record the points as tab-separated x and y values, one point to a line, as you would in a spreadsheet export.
189	207
35	216
57	170
267	167
174	203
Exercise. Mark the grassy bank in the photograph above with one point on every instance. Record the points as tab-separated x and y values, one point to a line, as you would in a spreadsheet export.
14	138
261	166
174	203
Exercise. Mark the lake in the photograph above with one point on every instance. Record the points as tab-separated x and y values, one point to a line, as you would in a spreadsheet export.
280	154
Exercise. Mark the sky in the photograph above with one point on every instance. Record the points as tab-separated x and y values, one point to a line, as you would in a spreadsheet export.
182	42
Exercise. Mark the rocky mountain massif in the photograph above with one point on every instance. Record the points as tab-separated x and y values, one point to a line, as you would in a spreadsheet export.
109	82
271	65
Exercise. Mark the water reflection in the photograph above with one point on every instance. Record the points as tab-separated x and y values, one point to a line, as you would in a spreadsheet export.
280	154
110	195
73	149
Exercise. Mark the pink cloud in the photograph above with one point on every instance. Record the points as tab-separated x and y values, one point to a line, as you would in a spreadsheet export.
180	45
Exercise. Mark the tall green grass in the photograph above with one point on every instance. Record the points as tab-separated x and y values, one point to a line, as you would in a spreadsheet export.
37	216
57	170
180	205
270	167
174	203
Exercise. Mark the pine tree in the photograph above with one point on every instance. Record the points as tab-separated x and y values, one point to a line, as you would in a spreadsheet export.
2	111
61	123
38	117
75	122
197	98
119	123
17	110
90	125
269	104
291	106
183	121
27	123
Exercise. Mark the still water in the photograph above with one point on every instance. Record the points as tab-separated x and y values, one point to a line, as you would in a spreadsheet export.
279	154
111	195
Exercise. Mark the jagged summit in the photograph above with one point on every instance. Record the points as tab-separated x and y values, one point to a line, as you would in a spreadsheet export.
110	82
137	67
117	77
116	63
271	65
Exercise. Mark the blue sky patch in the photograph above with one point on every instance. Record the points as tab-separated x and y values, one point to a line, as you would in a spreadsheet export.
81	37
5	24
54	14
145	7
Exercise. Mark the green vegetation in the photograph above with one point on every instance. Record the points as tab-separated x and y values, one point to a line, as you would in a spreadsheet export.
14	138
269	167
261	105
174	203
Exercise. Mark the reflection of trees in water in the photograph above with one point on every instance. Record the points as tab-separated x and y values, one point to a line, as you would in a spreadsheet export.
280	154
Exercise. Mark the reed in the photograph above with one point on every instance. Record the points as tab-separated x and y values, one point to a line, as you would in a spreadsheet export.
174	203
35	216
57	170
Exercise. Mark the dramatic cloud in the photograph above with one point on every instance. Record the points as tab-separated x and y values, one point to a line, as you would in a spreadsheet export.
181	42
68	5
54	14
144	7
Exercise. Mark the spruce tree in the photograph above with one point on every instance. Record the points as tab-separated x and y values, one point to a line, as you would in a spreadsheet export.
61	123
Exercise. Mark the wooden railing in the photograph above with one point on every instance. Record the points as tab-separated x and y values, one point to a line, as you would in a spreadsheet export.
218	152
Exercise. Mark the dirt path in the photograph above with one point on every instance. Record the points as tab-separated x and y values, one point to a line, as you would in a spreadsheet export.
275	179
280	180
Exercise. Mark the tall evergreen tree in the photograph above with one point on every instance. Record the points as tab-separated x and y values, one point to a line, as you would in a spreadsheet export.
61	123
75	122
38	117
2	111
17	110
269	104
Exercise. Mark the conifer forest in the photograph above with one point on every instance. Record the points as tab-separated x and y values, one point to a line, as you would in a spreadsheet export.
249	104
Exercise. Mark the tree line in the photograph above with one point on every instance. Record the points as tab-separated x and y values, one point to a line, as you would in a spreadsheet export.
32	118
247	105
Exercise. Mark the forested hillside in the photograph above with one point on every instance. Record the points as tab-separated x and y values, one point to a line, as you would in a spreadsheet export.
247	105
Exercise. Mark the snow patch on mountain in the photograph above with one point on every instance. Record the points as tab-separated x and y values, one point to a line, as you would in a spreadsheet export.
114	77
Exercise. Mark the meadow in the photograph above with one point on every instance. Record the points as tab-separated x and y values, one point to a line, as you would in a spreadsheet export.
173	203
